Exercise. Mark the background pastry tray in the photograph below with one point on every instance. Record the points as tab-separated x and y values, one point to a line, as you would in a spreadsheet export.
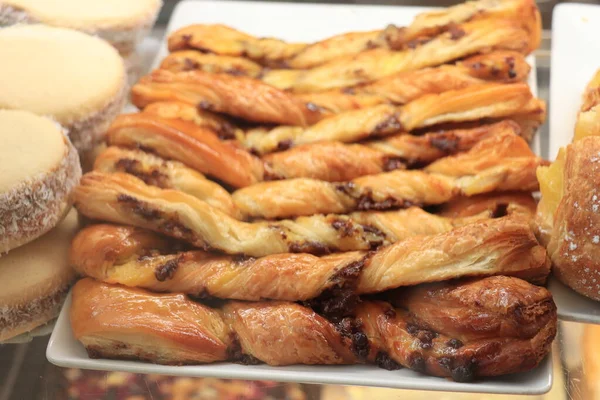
575	59
297	22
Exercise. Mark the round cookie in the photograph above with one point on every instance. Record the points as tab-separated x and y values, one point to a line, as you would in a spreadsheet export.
35	280
122	23
39	168
76	79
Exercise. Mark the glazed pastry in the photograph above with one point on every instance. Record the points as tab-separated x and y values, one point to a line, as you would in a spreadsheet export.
35	281
205	119
588	119
335	162
223	40
463	40
401	88
196	147
570	209
470	104
118	254
155	171
502	163
121	24
39	169
185	332
239	96
88	85
497	204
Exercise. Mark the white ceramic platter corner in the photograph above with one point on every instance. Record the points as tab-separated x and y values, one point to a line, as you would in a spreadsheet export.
575	59
295	22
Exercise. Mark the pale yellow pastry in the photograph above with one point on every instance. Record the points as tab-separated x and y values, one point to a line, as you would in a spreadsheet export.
39	169
35	280
76	79
122	23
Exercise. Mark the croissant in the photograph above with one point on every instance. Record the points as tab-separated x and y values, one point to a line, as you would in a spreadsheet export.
118	254
155	171
223	40
502	163
197	147
117	322
401	88
470	104
239	96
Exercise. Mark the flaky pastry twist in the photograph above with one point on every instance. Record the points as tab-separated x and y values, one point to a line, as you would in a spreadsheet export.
117	322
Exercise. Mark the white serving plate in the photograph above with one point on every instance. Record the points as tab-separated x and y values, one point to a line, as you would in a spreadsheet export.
575	59
296	22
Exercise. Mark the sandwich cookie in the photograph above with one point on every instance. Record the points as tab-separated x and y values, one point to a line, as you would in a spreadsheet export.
39	168
35	280
122	23
74	78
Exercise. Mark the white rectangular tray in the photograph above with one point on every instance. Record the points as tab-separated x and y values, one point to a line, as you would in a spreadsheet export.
575	59
296	22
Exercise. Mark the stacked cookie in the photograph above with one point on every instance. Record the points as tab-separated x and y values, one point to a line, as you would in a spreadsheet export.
39	167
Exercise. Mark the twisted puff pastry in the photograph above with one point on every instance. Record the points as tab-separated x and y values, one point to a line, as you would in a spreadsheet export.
122	198
401	88
588	118
164	174
470	104
463	40
117	322
497	204
239	96
118	254
197	147
502	163
223	40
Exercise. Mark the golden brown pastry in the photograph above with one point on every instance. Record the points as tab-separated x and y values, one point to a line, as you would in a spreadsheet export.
120	254
502	163
335	162
470	104
223	40
122	198
117	322
463	40
224	128
239	96
155	171
196	147
588	118
497	204
401	88
570	209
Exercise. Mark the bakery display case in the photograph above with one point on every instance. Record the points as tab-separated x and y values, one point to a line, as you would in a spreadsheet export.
261	153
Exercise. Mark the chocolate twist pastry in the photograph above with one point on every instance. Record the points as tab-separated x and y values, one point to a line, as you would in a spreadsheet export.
135	257
470	104
502	163
197	147
164	174
122	198
239	96
223	40
118	322
401	88
326	161
462	41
